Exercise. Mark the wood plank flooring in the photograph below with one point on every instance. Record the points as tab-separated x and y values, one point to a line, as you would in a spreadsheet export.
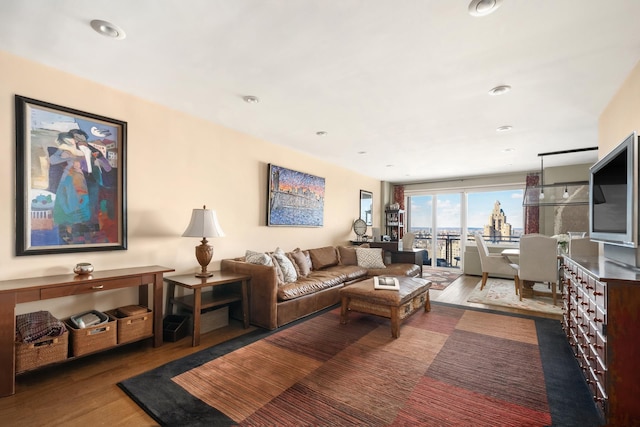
84	392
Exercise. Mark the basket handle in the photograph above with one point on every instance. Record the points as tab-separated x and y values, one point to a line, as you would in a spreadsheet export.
141	319
98	330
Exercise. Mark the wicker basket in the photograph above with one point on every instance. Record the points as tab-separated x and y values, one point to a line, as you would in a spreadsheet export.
92	339
134	327
41	352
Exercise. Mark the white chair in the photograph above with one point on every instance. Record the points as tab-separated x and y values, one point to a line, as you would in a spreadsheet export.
407	241
494	263
538	263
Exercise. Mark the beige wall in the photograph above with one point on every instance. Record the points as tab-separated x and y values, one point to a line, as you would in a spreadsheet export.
175	162
622	115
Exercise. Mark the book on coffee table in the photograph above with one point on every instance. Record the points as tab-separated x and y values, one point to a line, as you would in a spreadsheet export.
386	282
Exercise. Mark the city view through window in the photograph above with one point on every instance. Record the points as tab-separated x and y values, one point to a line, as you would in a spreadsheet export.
497	215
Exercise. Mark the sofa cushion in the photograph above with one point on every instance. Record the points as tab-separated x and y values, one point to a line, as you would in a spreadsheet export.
301	261
259	258
323	257
410	270
347	255
370	257
351	272
317	281
289	274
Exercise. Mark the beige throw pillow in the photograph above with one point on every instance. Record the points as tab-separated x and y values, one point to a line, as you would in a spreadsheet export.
370	258
301	261
288	270
259	258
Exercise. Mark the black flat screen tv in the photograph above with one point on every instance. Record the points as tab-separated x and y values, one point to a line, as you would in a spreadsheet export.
613	202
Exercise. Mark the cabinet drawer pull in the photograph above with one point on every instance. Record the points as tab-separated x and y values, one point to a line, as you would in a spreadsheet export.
590	310
596	293
97	287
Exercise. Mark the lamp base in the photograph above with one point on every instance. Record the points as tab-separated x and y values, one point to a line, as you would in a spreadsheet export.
204	253
204	274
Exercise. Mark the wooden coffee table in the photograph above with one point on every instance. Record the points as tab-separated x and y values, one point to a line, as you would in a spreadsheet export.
394	305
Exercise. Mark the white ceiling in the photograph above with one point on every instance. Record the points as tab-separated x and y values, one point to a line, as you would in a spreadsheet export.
405	81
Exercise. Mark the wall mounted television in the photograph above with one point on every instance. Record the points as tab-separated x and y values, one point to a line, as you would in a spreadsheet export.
613	202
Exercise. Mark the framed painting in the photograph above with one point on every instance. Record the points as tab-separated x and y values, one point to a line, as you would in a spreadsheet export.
296	199
70	180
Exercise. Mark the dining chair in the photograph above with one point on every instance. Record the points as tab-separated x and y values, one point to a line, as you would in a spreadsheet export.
538	263
494	263
582	247
407	241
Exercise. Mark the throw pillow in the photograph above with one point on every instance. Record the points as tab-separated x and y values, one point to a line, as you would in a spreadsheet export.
301	261
323	257
260	258
288	270
370	258
347	255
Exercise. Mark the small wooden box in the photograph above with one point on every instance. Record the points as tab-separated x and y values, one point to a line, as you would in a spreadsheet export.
92	339
135	326
41	352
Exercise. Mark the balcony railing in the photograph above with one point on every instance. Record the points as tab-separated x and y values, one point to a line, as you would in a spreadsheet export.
448	247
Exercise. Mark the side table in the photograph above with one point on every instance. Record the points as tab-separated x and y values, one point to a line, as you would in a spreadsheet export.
226	288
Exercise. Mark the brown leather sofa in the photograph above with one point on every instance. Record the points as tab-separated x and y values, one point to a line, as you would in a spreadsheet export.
274	302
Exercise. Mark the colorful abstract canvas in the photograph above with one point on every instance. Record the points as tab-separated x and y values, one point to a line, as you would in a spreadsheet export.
295	198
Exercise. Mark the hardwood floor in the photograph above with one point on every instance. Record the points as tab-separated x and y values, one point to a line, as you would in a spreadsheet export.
84	392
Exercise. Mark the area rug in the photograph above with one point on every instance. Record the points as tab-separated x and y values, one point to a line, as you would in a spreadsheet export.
502	292
453	366
439	278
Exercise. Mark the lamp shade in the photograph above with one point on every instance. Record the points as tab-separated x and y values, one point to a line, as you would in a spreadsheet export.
204	223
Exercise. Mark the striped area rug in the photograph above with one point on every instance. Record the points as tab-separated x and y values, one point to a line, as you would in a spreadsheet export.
452	366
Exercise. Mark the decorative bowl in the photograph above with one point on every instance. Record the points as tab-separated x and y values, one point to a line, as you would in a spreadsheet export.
83	268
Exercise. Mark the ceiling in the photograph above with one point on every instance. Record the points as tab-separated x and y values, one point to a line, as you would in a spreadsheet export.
399	87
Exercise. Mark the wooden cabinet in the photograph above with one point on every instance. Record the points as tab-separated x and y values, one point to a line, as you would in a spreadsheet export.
602	322
394	223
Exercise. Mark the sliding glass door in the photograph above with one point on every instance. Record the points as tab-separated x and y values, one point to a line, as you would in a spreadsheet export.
444	222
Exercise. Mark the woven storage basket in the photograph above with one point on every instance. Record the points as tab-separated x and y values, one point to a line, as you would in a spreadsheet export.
134	327
92	339
41	352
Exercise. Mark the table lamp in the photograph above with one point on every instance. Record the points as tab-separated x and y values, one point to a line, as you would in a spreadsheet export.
204	223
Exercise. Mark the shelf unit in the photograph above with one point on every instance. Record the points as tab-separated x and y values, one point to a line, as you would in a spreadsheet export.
394	224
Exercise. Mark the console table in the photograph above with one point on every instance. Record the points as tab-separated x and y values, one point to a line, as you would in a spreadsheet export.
13	292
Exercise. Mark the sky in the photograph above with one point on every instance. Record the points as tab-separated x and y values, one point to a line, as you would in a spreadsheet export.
480	206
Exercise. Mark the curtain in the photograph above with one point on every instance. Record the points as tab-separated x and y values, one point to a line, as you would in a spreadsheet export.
532	213
398	195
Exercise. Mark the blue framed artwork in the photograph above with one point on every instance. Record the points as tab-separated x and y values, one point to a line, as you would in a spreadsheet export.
70	180
296	199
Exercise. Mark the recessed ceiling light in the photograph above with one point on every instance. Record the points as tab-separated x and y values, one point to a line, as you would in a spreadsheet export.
506	128
483	7
508	150
250	99
362	152
321	133
108	29
500	90
389	166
